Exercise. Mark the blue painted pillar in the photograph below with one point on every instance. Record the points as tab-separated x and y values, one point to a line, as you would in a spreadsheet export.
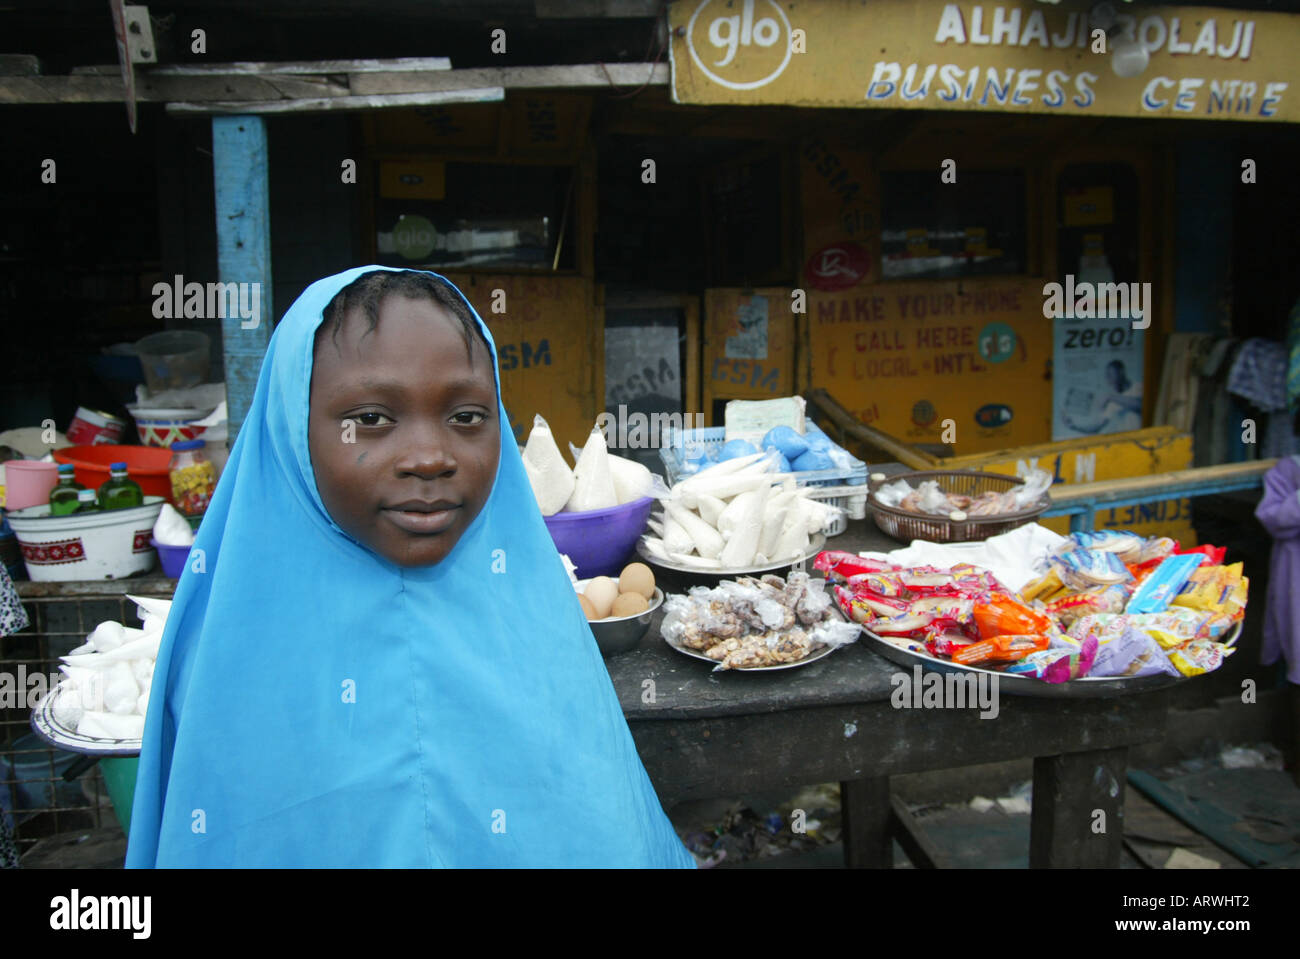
242	180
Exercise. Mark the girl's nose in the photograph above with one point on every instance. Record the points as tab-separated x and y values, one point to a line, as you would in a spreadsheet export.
428	456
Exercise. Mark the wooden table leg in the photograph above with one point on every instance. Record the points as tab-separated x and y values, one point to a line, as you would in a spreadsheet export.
1078	810
866	812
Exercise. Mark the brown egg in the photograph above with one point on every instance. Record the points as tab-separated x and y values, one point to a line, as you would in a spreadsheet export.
629	604
637	578
601	593
588	610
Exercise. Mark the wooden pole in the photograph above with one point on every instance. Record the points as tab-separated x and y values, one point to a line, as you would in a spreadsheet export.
241	177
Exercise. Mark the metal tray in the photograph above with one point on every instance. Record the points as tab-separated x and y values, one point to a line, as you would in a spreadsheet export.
818	543
1018	685
61	737
810	658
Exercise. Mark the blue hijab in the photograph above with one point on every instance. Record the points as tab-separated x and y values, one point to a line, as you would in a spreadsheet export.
316	705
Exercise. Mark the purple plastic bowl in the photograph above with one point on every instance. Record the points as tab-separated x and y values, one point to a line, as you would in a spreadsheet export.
600	541
172	558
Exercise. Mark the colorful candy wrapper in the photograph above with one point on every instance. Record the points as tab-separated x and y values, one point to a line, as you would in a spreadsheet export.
1058	665
1156	549
1086	568
1213	554
1045	588
1127	546
839	565
1210	588
1073	606
881	584
998	649
1133	653
1163	584
927	580
1002	616
1170	628
1199	656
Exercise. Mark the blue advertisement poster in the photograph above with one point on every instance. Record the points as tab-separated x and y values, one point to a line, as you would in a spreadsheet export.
1097	369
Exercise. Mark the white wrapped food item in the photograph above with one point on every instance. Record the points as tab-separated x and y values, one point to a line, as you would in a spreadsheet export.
738	553
111	725
707	540
67	707
549	475
107	635
172	529
710	508
120	689
792	544
593	486
632	480
676	539
778	512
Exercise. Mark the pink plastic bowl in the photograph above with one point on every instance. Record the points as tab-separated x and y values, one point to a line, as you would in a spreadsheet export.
600	542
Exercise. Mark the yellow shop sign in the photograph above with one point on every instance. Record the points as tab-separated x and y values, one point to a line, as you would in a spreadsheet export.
1022	58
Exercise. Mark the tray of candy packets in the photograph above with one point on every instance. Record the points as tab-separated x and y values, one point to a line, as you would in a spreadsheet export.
1110	612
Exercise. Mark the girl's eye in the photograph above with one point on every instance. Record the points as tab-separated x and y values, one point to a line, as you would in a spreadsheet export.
367	419
468	418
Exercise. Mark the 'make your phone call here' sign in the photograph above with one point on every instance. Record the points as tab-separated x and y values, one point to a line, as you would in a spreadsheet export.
1201	62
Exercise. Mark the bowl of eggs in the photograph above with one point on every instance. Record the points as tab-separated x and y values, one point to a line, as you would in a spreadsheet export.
619	610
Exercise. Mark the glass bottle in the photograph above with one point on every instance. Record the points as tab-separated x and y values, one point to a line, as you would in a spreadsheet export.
63	498
193	479
86	501
120	492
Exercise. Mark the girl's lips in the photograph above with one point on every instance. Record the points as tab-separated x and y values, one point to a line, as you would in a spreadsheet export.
437	521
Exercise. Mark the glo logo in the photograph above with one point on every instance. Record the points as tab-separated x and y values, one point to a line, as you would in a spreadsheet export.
414	237
749	40
992	415
997	343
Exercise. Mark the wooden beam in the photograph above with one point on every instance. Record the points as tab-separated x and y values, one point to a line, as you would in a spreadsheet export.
594	75
288	67
846	421
161	87
324	104
1107	490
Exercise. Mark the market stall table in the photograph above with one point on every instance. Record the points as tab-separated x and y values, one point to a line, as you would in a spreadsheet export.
703	735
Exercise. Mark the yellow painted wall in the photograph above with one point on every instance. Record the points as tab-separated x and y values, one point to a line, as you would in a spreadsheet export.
906	357
551	349
732	370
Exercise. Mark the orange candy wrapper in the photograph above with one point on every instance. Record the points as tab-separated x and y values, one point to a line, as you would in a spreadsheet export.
1002	616
999	649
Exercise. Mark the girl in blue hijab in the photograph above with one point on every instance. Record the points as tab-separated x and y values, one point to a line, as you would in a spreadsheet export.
375	656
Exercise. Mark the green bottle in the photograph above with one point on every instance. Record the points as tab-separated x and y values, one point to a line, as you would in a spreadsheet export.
86	501
120	492
63	498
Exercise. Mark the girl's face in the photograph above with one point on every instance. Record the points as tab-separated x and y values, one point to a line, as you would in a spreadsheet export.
403	430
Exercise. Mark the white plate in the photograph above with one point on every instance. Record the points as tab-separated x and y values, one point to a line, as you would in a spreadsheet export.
56	734
810	658
817	544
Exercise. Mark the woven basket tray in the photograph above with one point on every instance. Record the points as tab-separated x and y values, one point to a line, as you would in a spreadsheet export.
905	526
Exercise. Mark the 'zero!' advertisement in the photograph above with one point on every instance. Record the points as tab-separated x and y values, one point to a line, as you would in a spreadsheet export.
1097	377
965	364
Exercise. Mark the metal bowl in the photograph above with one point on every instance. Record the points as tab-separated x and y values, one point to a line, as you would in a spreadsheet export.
618	634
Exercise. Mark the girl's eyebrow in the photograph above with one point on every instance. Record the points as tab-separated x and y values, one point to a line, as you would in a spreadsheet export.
395	386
